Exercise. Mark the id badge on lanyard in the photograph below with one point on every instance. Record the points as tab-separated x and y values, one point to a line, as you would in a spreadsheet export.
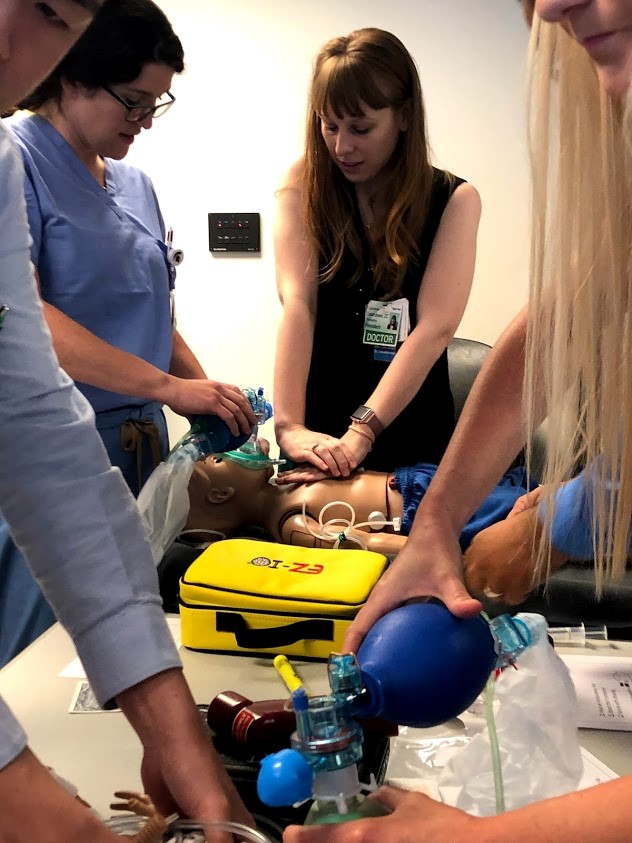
172	307
386	325
174	259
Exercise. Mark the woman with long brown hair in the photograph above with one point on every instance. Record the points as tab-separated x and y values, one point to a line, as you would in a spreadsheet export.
368	229
576	342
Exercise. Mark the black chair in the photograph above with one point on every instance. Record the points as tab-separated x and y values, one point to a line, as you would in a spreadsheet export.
569	596
465	358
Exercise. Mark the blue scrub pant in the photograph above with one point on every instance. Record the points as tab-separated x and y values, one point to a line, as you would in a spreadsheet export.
109	425
24	611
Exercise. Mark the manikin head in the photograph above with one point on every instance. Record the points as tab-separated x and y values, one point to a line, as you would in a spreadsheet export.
222	494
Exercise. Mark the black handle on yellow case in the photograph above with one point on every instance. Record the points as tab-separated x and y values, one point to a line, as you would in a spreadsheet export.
267	638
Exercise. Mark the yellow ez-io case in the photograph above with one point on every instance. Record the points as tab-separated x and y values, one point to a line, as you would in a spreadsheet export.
262	598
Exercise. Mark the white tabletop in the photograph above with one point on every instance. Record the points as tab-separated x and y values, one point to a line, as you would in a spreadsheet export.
100	753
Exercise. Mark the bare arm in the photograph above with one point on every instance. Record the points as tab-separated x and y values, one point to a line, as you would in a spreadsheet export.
184	363
488	436
296	269
442	298
33	806
602	813
90	360
181	770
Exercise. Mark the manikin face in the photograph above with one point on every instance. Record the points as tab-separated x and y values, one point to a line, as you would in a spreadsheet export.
362	146
220	492
34	37
604	29
96	120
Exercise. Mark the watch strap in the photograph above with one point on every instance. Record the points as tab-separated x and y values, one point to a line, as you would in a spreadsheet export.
366	416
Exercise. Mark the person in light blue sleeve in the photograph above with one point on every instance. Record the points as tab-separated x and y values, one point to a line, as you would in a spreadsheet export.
75	520
100	251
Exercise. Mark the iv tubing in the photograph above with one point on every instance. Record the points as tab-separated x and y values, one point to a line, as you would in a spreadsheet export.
493	743
325	526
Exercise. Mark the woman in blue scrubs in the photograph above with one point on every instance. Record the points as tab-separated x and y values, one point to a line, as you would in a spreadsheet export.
99	249
99	238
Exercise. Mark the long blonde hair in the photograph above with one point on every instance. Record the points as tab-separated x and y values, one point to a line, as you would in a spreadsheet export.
368	66
579	345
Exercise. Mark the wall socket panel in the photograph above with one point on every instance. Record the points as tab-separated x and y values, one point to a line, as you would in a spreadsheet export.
234	232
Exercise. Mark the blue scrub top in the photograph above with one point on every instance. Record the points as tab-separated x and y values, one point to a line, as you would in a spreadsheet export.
100	254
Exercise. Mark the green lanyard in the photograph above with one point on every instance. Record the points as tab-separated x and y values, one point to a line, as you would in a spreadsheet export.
3	312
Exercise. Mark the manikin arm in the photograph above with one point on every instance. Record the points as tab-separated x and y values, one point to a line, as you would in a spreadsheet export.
499	563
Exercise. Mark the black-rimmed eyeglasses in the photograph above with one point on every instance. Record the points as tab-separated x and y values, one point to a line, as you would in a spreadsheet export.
138	113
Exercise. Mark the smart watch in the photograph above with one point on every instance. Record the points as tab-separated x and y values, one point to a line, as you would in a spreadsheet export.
365	415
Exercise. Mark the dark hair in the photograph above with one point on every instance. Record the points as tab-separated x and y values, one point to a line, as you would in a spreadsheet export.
124	37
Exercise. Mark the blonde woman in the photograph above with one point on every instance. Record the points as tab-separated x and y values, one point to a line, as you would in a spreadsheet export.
367	232
576	342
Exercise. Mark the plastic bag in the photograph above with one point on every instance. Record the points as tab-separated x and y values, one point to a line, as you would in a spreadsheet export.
535	714
417	756
164	499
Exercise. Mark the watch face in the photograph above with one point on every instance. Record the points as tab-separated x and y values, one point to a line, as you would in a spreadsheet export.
362	414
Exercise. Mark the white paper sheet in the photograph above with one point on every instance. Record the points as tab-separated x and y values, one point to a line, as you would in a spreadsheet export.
595	771
604	691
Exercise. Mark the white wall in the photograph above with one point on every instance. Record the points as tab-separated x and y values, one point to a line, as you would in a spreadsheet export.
239	122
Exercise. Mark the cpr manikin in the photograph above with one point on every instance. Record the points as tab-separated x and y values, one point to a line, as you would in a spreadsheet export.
227	495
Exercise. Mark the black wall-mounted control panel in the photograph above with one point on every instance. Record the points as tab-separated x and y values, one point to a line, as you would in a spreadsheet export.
234	232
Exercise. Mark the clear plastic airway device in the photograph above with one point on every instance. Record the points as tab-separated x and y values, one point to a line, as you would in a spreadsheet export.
418	666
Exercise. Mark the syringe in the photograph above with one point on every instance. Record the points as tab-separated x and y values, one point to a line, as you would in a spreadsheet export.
579	635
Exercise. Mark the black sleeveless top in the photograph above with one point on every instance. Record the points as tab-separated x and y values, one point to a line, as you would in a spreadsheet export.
343	373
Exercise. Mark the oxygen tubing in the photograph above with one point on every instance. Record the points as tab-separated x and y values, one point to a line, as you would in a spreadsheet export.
339	535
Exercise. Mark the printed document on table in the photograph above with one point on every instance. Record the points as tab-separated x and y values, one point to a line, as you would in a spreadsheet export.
595	771
604	691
